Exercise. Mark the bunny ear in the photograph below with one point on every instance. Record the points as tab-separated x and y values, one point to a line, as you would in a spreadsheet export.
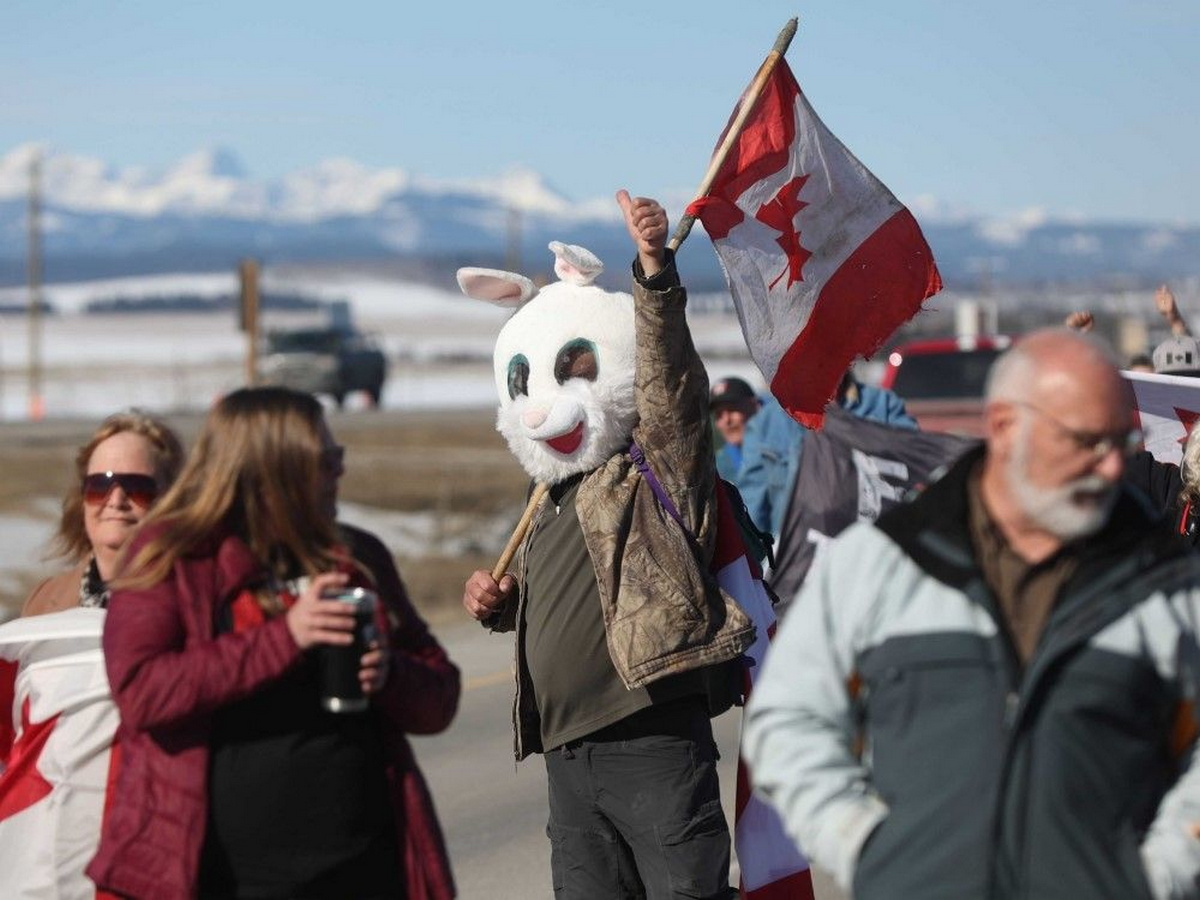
575	264
501	288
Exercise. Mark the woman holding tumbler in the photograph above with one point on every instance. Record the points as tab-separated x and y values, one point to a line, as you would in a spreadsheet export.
234	781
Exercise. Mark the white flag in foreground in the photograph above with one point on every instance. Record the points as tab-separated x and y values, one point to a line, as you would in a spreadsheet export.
772	867
56	732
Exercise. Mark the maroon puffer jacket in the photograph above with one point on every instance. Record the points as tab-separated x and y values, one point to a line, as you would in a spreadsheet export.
168	674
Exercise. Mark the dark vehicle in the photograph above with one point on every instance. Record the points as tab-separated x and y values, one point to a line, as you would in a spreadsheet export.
942	381
333	361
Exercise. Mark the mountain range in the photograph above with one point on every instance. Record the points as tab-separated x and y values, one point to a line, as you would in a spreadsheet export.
205	212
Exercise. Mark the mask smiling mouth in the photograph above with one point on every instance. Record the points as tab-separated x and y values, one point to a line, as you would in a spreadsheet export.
567	443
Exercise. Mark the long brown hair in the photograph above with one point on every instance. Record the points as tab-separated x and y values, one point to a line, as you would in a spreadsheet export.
255	471
166	452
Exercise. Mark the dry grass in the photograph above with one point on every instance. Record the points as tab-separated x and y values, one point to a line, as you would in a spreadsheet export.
445	462
29	471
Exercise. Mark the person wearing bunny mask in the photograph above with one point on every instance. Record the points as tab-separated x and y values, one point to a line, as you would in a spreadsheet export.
621	629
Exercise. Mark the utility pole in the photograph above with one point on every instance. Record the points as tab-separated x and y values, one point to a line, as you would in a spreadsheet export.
512	256
248	315
37	406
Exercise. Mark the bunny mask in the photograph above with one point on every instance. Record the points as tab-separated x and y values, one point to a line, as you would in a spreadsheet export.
563	365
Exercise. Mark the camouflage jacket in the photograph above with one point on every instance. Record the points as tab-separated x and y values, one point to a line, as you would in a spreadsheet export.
663	610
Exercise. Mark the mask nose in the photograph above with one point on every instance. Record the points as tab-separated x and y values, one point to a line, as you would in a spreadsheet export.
533	418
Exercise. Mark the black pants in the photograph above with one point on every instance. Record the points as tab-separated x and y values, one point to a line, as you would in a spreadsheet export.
635	810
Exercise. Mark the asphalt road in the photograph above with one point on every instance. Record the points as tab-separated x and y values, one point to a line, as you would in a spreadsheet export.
492	810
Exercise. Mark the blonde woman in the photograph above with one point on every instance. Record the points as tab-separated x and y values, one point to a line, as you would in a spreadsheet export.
119	473
233	781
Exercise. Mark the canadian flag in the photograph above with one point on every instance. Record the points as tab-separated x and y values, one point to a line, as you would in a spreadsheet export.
822	261
55	750
772	868
1167	407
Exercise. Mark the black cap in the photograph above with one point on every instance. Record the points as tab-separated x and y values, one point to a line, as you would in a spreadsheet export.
730	390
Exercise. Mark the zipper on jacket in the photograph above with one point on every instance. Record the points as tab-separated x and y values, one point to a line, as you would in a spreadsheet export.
1089	612
1012	702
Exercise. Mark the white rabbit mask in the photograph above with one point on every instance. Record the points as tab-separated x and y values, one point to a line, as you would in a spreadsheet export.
563	365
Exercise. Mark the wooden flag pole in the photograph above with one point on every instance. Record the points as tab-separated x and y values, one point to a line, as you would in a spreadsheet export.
684	228
518	534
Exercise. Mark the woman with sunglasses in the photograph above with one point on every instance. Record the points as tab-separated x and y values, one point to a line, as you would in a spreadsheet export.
233	781
119	473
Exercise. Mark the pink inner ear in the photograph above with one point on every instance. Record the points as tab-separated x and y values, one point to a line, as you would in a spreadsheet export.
567	272
490	288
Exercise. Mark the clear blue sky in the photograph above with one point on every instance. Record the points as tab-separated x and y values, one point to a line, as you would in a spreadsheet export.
1085	107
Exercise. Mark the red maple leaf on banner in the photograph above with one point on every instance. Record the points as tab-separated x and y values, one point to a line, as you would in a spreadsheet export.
21	784
1188	419
779	214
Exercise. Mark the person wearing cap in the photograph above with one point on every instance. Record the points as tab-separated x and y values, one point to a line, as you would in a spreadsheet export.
774	443
1180	353
733	403
1177	355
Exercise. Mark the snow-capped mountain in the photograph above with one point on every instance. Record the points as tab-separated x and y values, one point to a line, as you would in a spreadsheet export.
204	212
214	183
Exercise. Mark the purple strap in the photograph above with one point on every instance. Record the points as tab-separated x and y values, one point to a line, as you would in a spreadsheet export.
639	460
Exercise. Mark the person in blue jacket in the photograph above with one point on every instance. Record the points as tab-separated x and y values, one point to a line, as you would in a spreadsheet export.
733	404
774	442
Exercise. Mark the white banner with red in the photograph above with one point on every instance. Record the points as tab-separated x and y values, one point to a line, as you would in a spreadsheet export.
1167	408
772	867
56	732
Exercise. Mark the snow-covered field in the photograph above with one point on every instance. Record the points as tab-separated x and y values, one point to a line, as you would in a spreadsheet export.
438	342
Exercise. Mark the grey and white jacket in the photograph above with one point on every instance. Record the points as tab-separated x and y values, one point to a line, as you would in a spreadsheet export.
909	753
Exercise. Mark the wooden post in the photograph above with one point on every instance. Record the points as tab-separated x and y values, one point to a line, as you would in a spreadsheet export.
248	315
37	404
512	255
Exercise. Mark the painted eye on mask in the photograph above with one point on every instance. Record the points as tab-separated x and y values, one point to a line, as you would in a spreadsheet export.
576	359
518	376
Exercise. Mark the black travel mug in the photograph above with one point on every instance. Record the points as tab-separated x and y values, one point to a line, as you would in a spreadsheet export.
341	691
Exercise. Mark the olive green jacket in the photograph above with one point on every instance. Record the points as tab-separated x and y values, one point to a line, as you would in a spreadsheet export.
663	610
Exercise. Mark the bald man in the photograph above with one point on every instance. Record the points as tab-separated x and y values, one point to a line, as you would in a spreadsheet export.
990	692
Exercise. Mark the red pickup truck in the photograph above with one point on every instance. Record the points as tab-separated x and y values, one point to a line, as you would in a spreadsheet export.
941	381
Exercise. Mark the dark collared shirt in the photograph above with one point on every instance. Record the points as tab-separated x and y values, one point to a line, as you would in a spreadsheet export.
1026	592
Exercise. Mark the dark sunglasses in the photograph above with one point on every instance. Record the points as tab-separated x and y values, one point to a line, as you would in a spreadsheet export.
140	489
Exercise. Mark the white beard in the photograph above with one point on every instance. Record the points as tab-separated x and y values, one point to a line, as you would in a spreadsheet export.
1070	511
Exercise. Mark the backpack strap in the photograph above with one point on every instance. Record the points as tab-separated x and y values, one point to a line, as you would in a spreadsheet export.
759	543
639	460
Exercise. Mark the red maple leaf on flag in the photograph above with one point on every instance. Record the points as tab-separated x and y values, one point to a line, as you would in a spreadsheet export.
779	214
21	784
864	267
1188	419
